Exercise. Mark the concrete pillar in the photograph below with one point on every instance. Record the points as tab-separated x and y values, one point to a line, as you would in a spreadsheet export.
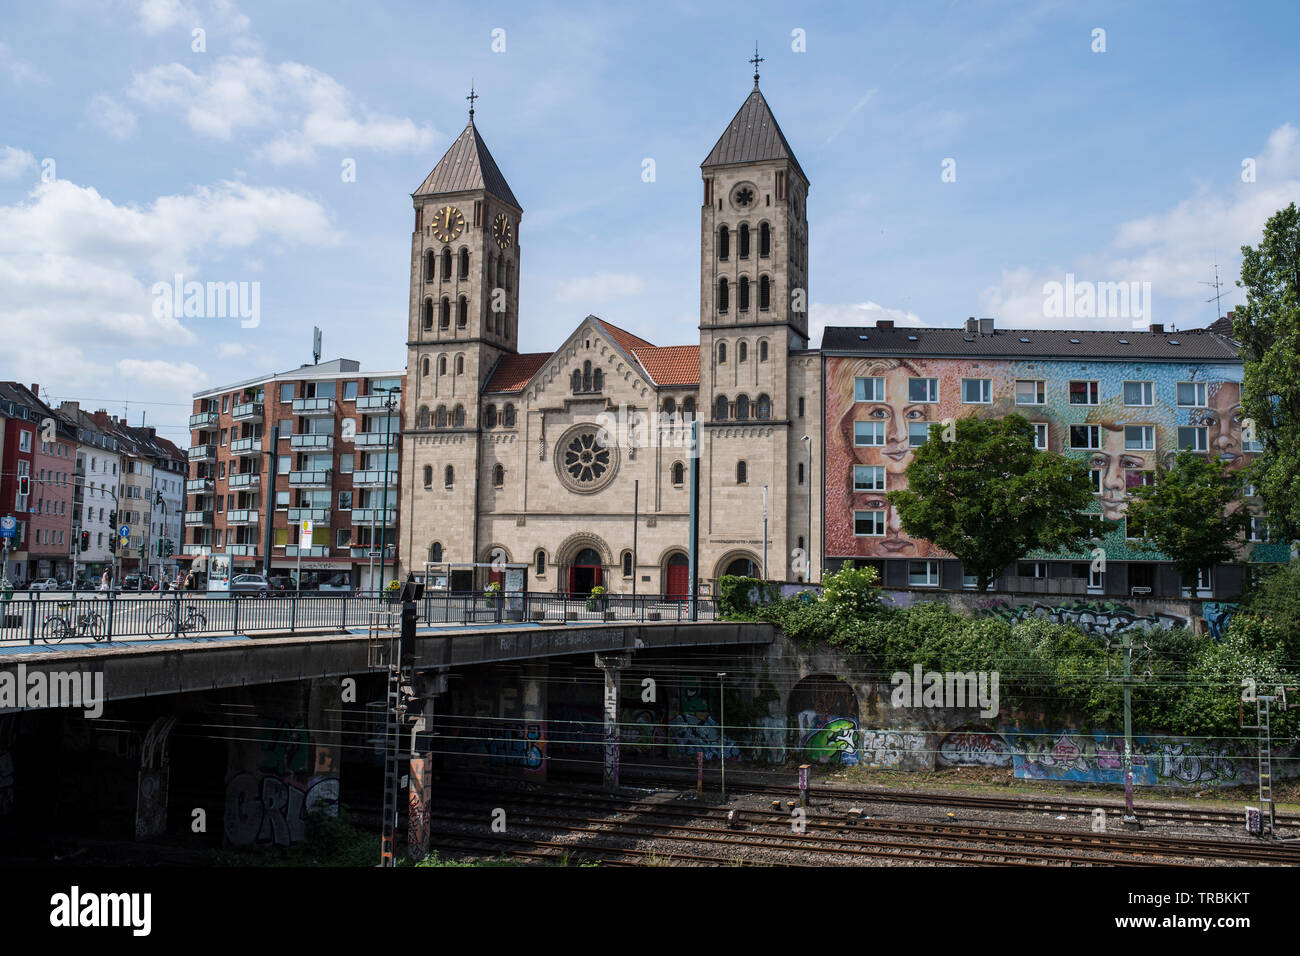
612	665
533	713
428	686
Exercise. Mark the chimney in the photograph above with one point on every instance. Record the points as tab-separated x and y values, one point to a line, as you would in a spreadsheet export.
986	326
884	323
1157	327
972	325
36	390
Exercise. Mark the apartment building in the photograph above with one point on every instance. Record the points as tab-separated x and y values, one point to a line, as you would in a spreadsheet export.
1123	401
150	496
94	493
319	443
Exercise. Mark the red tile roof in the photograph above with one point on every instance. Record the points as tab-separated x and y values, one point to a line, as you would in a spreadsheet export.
513	372
626	340
671	364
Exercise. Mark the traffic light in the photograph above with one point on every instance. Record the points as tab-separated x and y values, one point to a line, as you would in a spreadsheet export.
158	498
170	550
112	520
24	485
85	541
112	543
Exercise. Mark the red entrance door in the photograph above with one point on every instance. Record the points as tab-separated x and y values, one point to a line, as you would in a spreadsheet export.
585	573
679	581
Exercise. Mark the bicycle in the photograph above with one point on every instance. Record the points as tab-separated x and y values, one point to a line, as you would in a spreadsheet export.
58	627
165	622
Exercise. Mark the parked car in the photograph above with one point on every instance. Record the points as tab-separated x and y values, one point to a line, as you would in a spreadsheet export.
335	583
137	582
282	583
251	583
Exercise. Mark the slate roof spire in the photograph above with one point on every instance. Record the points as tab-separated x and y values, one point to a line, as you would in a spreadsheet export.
468	165
753	134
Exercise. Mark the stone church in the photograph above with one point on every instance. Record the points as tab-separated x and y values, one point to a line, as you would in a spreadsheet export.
574	465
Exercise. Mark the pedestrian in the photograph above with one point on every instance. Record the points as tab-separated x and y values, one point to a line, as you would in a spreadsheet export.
103	582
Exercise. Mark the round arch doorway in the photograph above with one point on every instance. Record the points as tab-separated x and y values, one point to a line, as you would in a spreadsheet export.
744	567
677	578
585	571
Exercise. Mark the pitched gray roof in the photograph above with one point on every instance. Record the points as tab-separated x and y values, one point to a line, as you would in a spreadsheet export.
752	136
1193	345
467	165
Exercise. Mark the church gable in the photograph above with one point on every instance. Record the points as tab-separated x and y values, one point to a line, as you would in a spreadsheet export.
593	364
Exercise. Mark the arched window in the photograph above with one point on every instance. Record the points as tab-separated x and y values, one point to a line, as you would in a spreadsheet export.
508	419
598	380
670	407
440	417
448	476
424	367
490	417
742	472
428	476
679	473
501	272
539	562
724	295
743	242
742	352
458	417
446	263
764	293
722	353
764	241
422	420
742	408
435	551
442	365
498	476
428	314
460	365
586	376
577	381
720	409
724	243
627	564
462	312
464	263
430	266
510	276
742	299
764	408
800	474
762	351
444	313
688	407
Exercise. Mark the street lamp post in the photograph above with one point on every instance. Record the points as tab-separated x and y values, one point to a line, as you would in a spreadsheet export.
722	729
808	540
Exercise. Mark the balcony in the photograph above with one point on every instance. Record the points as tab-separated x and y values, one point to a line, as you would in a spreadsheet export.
369	516
311	479
246	479
242	516
314	515
197	549
198	486
242	550
198	517
246	411
313	406
291	551
203	453
376	439
311	442
376	402
373	478
203	420
246	446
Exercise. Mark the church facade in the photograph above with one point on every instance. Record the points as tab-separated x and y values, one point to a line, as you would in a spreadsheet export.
573	466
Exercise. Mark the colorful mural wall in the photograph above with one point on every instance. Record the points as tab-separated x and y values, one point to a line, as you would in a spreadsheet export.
1120	467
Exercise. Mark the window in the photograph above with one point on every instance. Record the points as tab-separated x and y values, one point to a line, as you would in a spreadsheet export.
801	406
1193	438
724	295
722	353
742	242
430	266
688	407
1191	395
1258	528
764	293
446	263
444	313
724	245
742	472
1085	436
868	478
742	352
345	501
976	391
1138	393
1031	392
1139	437
670	407
462	312
627	564
1095	476
917	433
440	417
868	433
1138	478
490	416
422	419
1252	445
679	473
346	463
435	551
225	404
923	574
449	476
508	419
344	538
498	476
869	389
1084	393
1096	579
1032	569
464	263
1133	528
428	314
869	524
286	392
442	365
539	563
764	241
720	409
922	389
762	351
742	408
424	369
742	302
458	417
428	476
1040	436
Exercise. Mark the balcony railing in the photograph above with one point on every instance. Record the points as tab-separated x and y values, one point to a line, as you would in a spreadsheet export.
198	486
203	419
316	551
241	516
248	479
313	406
198	517
197	549
246	446
246	411
242	550
374	402
367	516
311	479
202	453
312	442
372	478
315	515
373	439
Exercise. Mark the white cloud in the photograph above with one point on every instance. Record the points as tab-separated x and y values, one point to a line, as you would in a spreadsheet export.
173	376
822	314
14	162
1174	249
222	16
232	350
310	108
601	287
111	116
17	70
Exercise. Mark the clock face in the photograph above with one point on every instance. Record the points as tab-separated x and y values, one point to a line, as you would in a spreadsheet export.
448	223
501	230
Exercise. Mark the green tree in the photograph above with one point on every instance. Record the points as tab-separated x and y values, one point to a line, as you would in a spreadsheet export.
1185	513
988	497
1268	328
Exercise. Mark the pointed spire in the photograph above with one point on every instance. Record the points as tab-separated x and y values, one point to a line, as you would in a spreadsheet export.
472	97
752	135
467	165
756	60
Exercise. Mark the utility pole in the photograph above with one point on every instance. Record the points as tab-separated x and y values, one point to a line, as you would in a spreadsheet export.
1130	815
808	541
636	508
394	651
722	730
765	532
694	533
1263	725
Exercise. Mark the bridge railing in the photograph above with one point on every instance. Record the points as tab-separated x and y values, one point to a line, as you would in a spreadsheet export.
85	615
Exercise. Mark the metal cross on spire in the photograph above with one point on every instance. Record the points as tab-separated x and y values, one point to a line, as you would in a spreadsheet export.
756	60
472	97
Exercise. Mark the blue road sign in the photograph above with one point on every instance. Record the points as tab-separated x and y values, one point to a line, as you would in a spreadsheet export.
124	531
8	526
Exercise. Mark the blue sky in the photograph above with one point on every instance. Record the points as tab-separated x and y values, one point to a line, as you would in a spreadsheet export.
225	165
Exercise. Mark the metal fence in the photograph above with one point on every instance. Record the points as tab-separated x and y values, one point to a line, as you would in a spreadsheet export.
83	616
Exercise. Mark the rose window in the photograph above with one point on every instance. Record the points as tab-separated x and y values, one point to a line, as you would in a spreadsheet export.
586	459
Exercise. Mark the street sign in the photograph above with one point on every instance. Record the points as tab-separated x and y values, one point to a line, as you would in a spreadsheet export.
8	526
124	531
304	533
376	554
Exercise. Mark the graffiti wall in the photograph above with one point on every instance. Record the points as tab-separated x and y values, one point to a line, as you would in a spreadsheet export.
824	719
1102	618
270	810
973	747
